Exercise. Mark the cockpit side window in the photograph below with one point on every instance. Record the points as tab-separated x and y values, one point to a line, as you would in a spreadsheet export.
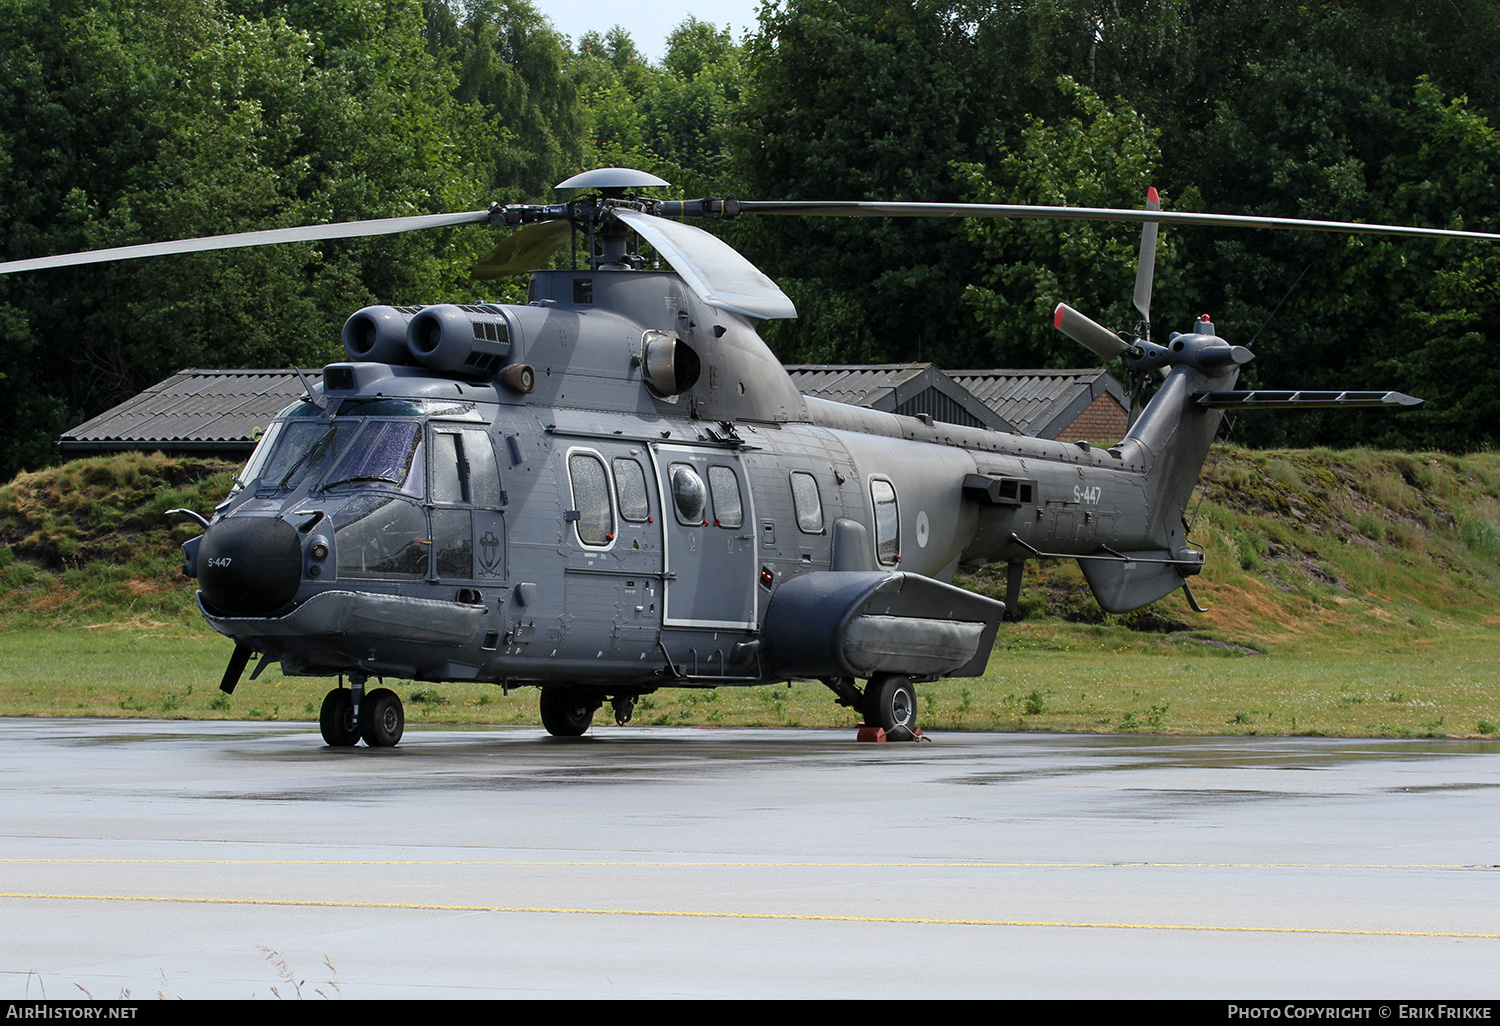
463	468
464	474
449	476
484	475
257	461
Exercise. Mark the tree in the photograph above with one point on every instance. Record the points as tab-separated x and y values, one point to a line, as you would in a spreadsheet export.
171	119
1103	156
516	69
865	100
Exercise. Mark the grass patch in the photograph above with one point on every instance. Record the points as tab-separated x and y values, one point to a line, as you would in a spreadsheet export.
1046	678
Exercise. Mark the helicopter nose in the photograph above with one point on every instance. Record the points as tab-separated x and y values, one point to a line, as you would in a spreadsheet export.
249	566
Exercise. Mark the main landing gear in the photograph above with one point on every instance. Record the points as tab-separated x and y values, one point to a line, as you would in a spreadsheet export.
568	710
888	704
380	721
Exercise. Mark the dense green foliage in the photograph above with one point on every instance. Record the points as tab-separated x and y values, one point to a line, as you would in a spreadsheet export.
134	121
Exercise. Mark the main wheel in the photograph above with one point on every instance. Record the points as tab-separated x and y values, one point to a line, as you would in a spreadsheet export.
567	711
381	718
891	703
336	721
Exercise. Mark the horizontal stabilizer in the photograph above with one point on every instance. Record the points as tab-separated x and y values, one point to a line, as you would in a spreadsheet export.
1265	399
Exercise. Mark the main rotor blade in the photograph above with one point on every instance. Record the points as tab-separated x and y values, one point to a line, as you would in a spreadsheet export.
1145	264
270	237
818	208
528	248
713	269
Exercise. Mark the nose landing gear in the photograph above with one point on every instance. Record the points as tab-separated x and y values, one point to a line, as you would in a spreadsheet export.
349	714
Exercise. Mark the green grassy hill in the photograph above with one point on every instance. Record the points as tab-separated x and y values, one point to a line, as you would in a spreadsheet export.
1348	592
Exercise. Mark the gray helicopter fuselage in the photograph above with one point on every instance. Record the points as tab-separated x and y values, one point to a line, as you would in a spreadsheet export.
630	521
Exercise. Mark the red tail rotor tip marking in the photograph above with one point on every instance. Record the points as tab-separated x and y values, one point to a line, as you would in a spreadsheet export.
1152	196
1057	316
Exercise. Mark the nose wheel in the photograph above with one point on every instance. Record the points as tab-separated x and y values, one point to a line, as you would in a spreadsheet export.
336	721
381	720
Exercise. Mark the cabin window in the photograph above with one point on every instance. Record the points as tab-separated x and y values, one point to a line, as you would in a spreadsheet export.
807	502
630	486
596	518
688	495
729	505
887	522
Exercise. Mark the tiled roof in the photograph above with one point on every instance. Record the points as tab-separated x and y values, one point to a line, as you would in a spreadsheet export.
1039	402
193	410
913	389
222	409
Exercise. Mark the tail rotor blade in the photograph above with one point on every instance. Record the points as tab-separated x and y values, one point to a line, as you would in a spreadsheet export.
1145	265
1088	333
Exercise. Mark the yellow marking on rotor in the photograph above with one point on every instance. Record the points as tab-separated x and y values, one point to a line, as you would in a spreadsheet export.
797	916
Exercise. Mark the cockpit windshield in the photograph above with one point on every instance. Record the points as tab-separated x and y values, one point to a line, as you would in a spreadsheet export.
382	444
304	450
384	453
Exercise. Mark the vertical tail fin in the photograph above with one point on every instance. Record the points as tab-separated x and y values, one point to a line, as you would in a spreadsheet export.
1171	440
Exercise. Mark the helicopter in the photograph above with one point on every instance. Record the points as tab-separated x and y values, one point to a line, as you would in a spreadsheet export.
615	488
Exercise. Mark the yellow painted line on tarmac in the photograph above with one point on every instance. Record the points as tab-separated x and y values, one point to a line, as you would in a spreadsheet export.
767	916
707	864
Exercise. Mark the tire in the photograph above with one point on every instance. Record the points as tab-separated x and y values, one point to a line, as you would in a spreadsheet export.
891	704
382	720
567	711
336	720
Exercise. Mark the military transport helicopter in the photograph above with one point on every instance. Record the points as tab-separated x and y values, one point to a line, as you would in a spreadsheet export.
615	487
